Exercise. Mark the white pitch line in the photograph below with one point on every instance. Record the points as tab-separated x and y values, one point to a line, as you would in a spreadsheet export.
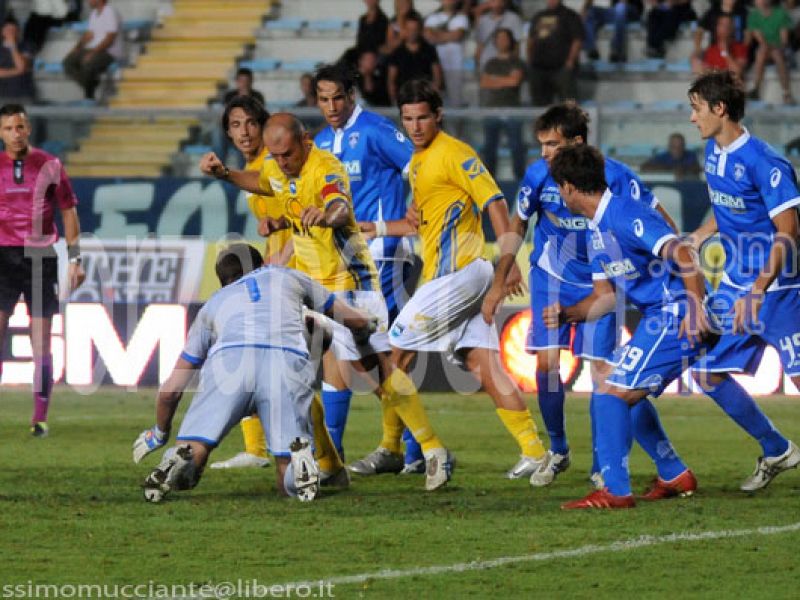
619	546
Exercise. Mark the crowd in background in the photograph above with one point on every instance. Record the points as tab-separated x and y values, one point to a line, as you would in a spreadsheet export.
742	35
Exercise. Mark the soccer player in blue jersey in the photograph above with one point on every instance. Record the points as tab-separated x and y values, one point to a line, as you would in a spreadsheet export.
754	194
634	251
375	155
560	272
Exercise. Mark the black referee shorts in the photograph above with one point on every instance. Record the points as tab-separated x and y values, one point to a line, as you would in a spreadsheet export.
32	272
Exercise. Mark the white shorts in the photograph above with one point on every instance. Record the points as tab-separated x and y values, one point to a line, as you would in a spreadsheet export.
235	382
444	315
344	346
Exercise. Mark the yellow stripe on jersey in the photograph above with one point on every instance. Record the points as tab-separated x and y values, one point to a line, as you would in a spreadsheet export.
267	206
336	258
450	187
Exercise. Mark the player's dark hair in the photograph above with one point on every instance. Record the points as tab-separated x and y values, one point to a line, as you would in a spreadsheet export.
417	91
245	71
567	118
721	87
235	261
251	107
8	110
580	165
339	73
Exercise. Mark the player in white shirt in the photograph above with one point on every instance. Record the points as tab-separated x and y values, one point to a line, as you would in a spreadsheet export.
249	342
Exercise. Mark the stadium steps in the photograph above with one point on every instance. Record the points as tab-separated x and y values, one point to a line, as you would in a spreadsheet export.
189	56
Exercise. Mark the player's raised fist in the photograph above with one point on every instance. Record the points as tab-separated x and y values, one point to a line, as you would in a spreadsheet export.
551	316
210	164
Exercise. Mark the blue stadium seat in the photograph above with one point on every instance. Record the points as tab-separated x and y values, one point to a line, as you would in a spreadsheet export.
308	64
624	105
261	65
79	26
54	147
468	64
287	24
602	66
136	25
328	25
197	149
635	150
647	65
681	66
667	105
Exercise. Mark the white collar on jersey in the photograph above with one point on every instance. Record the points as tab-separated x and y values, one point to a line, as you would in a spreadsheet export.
735	144
601	209
338	134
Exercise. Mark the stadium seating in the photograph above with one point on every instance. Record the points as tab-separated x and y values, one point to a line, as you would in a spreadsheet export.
188	59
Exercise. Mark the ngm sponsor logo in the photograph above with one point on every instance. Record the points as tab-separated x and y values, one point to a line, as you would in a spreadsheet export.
620	268
353	168
727	200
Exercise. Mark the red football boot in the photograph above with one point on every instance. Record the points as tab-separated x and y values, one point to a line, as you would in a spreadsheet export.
683	485
601	499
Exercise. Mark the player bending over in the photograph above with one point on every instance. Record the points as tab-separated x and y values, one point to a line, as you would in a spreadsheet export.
249	342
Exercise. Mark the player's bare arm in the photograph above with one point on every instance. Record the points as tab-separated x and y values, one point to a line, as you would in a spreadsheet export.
600	302
72	233
702	233
695	326
335	215
784	247
211	165
667	217
169	396
510	243
361	323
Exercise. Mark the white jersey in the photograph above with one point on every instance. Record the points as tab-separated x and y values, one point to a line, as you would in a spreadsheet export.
263	309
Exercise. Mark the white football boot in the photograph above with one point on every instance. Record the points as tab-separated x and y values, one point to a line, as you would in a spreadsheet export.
243	460
552	464
439	467
767	468
306	470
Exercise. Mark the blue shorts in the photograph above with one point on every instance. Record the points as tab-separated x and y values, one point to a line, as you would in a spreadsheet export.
592	340
779	321
395	276
655	355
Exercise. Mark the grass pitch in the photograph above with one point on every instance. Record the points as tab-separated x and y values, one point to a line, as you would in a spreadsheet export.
71	511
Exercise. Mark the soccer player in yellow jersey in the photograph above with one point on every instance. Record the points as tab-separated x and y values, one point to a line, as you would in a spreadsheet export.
451	188
312	188
243	121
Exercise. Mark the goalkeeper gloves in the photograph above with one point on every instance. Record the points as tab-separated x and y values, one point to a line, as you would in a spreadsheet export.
148	441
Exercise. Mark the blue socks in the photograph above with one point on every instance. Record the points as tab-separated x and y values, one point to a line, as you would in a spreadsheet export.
593	423
650	435
337	407
551	404
740	406
413	451
613	418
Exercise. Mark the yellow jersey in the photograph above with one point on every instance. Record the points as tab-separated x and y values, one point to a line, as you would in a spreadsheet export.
336	258
265	206
450	187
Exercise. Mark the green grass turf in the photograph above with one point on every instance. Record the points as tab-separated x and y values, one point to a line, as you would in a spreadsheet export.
71	511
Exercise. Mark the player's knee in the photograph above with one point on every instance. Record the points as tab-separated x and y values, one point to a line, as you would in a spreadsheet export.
547	362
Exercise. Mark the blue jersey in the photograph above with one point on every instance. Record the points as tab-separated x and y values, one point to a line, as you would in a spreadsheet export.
559	239
749	184
626	242
374	154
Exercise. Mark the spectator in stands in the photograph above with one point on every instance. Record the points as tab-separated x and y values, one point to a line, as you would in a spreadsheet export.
243	86
735	9
371	35
554	45
769	26
44	15
413	59
98	48
496	16
725	53
372	27
307	89
663	21
16	65
372	80
446	29
500	83
403	9
617	13
677	160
